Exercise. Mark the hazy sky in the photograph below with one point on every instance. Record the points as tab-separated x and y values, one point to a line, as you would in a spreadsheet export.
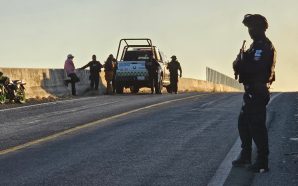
40	33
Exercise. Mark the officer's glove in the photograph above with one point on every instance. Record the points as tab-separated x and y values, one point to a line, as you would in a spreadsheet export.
236	65
272	79
236	68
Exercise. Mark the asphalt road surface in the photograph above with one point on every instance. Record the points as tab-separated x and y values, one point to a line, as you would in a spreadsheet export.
140	140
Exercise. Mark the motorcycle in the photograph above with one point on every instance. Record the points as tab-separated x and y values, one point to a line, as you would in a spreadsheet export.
14	91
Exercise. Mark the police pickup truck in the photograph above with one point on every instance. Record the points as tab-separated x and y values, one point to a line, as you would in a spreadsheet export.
131	70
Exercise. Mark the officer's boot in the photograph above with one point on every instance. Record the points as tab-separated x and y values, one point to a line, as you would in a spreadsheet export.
243	159
260	166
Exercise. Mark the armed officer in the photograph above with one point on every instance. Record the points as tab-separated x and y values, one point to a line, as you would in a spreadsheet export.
173	67
255	68
95	68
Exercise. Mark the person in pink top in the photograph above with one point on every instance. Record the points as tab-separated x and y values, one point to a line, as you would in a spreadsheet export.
70	71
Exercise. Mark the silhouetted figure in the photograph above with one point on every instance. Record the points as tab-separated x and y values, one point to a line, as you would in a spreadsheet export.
256	71
95	69
173	67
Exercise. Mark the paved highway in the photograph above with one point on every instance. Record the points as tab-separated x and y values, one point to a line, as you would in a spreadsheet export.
138	140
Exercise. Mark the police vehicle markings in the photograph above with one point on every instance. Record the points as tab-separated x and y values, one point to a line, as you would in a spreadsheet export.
258	55
91	124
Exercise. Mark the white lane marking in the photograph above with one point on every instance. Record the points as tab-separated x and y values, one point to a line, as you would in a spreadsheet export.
94	123
48	103
207	104
43	116
203	105
34	121
294	139
51	103
77	109
225	167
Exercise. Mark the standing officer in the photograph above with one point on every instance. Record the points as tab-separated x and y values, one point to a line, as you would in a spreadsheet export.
154	71
173	67
95	69
255	68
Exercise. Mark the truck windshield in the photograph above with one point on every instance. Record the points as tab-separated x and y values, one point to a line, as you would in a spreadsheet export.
139	55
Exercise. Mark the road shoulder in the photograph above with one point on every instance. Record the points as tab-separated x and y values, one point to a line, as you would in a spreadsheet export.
283	132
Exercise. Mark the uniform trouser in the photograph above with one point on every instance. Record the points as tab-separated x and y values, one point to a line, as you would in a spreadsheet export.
174	83
153	79
94	81
252	122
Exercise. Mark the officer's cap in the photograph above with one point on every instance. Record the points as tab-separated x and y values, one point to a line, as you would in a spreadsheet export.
174	57
255	20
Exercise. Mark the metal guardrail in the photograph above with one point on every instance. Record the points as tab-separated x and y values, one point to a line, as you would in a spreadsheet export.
219	78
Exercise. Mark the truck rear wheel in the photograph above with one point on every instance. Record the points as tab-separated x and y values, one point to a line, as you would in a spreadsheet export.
134	89
169	89
119	89
161	84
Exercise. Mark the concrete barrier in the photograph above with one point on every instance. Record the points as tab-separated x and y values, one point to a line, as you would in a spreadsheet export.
49	82
188	85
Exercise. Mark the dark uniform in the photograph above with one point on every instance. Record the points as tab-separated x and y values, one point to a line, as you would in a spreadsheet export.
173	67
256	72
95	69
153	68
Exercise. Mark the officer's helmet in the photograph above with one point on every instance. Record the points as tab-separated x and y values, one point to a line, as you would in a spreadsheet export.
255	21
